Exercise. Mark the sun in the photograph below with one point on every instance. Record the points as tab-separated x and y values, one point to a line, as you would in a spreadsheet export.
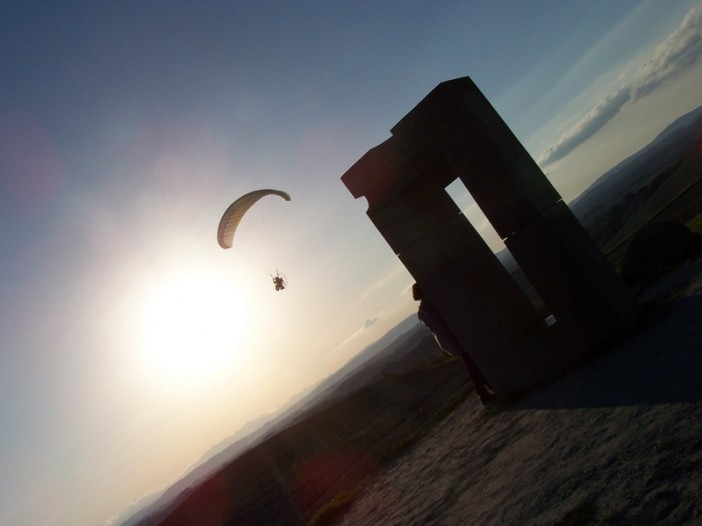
191	324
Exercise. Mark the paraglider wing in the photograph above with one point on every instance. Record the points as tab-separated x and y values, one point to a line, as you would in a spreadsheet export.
232	216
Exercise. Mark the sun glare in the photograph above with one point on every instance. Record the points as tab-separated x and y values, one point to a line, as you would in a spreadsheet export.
191	325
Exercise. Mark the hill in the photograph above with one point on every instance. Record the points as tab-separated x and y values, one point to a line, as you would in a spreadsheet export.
401	349
681	136
329	454
662	182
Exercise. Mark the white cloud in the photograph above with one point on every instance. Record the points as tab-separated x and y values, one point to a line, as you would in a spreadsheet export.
358	332
370	322
677	53
380	284
384	319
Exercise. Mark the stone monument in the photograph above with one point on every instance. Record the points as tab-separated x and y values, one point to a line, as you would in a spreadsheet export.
454	133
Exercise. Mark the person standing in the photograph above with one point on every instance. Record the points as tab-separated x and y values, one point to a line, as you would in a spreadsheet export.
448	342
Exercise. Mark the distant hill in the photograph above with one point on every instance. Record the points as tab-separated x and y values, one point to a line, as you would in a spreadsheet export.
402	348
662	182
298	471
681	136
218	455
390	354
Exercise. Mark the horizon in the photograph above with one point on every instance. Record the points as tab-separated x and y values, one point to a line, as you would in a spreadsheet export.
132	343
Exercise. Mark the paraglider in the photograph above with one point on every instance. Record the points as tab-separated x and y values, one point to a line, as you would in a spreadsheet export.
279	281
232	217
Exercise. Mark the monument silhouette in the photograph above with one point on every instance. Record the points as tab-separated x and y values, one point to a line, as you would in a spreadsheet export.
454	133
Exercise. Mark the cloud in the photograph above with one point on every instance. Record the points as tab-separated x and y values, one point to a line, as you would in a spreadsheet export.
383	315
358	332
370	322
380	284
680	50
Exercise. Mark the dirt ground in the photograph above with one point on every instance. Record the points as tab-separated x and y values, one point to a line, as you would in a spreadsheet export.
617	442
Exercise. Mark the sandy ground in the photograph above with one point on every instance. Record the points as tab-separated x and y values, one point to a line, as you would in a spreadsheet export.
616	442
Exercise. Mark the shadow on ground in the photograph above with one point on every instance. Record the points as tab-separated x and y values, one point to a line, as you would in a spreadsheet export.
661	363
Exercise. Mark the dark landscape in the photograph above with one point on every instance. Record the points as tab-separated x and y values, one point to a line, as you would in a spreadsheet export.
399	436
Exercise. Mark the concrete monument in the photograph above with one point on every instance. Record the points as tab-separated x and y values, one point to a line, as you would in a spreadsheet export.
454	133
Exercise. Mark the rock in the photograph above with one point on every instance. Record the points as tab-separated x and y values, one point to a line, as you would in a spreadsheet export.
654	248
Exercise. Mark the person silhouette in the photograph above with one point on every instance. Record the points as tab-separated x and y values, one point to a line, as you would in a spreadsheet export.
448	342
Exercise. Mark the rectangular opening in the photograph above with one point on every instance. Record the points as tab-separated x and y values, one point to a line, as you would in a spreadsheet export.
470	209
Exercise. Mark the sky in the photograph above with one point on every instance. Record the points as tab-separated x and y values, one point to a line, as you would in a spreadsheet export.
130	342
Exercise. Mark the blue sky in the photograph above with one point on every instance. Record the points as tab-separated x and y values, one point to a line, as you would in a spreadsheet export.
131	343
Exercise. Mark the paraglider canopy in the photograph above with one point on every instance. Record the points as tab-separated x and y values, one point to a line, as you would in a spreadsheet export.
232	216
